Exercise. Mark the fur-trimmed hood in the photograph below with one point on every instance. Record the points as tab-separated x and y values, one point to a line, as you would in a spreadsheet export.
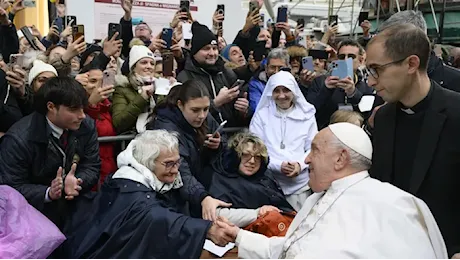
297	51
121	81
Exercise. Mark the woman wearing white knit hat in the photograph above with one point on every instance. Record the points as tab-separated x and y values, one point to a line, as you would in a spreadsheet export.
133	95
39	74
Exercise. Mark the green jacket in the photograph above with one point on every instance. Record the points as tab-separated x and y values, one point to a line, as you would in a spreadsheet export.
127	105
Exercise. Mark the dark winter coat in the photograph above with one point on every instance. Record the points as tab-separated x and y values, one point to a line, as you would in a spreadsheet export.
30	157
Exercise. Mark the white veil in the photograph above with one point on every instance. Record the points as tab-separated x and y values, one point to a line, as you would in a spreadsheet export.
284	78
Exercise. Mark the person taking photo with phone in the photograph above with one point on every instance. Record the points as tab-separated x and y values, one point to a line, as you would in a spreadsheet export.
186	111
330	93
228	102
92	79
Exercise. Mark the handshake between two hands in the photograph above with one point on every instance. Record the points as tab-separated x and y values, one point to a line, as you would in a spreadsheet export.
222	232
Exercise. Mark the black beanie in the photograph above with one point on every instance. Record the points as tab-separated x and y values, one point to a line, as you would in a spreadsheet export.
202	36
90	49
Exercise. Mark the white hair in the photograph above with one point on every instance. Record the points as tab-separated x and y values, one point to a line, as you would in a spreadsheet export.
150	143
357	161
278	53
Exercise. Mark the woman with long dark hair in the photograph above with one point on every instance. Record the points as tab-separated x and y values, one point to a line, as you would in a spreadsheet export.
186	111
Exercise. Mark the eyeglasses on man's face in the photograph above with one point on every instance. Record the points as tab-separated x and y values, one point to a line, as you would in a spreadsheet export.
372	70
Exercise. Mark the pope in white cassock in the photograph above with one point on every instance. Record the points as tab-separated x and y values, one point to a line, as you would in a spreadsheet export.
350	215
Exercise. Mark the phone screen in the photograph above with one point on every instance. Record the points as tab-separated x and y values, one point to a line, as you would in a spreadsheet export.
333	20
282	15
78	31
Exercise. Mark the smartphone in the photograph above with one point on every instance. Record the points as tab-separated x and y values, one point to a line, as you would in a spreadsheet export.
70	20
220	10
221	126
318	54
363	16
29	37
262	21
168	64
137	20
16	60
187	31
260	50
108	78
113	28
78	31
184	6
301	22
59	22
282	15
307	63
167	37
253	5
238	83
342	68
333	20
29	3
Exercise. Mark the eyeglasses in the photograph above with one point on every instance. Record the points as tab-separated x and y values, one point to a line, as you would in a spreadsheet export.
246	157
170	165
373	71
345	56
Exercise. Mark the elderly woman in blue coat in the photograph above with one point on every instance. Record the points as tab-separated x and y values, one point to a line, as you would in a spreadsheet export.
139	212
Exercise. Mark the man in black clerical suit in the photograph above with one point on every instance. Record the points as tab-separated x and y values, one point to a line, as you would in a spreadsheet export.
416	135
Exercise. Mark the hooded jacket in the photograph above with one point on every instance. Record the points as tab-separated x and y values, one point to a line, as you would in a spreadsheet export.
249	192
293	131
194	157
256	88
127	105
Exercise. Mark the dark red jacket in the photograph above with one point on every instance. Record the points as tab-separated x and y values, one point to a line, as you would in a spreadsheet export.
101	114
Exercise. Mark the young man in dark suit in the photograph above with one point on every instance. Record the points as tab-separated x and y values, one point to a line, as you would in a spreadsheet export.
416	141
52	155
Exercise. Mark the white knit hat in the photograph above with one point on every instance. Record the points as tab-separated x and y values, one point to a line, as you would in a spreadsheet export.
137	53
40	67
354	137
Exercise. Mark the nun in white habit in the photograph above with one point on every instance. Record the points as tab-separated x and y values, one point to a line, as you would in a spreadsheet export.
350	214
286	122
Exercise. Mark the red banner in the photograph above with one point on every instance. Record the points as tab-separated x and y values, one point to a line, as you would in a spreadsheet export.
148	4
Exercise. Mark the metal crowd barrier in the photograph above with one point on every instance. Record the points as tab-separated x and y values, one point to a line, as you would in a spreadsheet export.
128	137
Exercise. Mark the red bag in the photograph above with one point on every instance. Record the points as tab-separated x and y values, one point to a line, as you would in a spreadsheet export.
272	224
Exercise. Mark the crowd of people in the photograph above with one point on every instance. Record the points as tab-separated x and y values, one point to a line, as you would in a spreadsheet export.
367	162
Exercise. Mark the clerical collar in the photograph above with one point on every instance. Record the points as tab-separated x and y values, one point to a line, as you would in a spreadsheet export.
55	130
420	106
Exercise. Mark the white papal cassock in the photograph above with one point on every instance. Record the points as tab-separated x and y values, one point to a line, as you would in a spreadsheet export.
358	217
